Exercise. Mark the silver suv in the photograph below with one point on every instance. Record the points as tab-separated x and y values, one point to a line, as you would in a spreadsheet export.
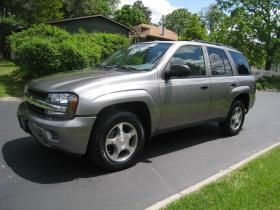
138	92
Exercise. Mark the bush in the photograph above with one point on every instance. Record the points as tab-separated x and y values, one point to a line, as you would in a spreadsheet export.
110	43
89	46
269	83
37	57
71	57
52	33
44	49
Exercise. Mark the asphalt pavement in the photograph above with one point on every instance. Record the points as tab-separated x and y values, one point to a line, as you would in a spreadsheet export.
34	177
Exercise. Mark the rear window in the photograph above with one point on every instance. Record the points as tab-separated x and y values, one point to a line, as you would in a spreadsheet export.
240	63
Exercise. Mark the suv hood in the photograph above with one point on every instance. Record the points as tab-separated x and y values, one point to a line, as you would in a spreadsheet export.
67	81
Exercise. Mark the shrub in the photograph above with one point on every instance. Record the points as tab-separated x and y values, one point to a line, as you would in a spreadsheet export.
71	57
37	57
44	49
110	43
89	46
55	34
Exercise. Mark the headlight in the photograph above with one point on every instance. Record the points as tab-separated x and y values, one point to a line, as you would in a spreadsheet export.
62	104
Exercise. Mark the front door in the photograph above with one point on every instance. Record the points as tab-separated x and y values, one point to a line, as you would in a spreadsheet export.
185	99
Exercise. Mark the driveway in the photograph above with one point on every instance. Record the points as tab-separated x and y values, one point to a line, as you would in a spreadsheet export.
34	177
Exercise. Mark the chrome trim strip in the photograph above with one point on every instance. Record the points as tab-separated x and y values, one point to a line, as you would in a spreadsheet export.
44	105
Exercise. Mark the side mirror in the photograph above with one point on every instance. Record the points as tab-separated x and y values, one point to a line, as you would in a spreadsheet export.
177	70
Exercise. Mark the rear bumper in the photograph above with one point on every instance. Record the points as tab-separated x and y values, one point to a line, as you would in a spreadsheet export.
69	135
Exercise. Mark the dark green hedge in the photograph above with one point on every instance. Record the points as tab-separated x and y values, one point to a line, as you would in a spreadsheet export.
44	49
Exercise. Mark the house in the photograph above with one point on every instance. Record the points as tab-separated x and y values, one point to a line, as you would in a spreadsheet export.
93	24
146	32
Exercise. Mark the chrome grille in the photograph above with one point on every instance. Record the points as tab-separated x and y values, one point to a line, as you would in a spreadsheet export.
37	94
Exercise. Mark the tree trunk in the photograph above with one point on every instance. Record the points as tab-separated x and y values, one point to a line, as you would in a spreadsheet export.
268	61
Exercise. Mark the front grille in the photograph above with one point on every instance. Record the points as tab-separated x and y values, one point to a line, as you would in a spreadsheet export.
37	94
35	109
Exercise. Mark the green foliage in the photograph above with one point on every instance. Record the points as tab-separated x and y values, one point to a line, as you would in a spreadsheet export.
187	25
52	33
138	4
109	43
70	56
130	16
194	29
269	83
255	25
44	49
176	20
32	11
37	57
9	84
76	8
134	15
7	25
211	17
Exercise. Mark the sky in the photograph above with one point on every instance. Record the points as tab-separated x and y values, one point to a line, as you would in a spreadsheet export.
163	7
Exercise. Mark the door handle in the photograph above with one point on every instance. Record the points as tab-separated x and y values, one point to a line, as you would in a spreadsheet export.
204	87
233	85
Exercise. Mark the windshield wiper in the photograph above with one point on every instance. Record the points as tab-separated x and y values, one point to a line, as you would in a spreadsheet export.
109	66
128	68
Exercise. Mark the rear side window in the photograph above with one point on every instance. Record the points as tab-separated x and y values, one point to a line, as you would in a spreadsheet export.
240	63
219	62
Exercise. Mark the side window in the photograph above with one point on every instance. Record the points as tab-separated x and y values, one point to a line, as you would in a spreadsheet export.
191	56
228	68
240	63
216	61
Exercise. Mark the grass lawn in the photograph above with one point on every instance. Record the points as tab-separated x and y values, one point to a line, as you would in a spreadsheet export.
9	85
269	83
254	186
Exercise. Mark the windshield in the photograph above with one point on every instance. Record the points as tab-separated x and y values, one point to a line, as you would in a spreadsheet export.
140	57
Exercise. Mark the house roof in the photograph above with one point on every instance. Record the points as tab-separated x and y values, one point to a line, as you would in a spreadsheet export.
92	16
154	31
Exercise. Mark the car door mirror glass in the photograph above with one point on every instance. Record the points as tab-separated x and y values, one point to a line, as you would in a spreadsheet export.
178	70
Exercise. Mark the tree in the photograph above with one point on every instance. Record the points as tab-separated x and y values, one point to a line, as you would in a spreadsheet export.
185	24
194	29
8	25
130	16
211	17
176	20
76	8
148	13
260	24
32	11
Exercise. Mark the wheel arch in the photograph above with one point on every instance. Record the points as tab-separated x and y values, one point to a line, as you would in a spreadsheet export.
245	98
139	102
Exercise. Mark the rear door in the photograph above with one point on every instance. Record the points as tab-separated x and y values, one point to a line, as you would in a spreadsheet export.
185	100
222	82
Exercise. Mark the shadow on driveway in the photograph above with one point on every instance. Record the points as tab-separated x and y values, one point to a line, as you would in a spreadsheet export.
36	163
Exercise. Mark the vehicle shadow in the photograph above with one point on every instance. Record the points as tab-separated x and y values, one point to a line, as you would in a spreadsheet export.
36	163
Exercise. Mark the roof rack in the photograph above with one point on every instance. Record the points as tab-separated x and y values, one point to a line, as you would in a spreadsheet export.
214	43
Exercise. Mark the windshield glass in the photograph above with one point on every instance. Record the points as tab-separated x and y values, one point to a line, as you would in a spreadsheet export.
140	57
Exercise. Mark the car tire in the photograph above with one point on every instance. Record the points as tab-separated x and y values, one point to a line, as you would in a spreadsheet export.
235	119
117	140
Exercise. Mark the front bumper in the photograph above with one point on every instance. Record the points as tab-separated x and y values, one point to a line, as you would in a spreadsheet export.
69	135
